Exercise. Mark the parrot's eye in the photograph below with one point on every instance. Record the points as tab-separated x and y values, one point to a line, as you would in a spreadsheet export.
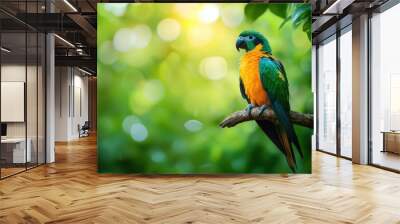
251	37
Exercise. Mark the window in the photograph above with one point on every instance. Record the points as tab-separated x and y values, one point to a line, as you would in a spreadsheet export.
385	89
22	77
327	95
346	75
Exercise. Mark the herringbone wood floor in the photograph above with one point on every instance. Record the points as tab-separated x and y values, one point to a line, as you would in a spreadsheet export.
70	191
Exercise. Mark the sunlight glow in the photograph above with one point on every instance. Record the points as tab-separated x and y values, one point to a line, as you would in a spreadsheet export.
200	35
185	10
209	13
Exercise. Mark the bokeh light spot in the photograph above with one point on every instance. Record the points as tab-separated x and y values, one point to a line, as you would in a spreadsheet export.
185	10
146	95
117	9
209	13
138	37
178	146
142	36
123	39
168	29
139	132
128	122
193	125
158	156
214	68
231	16
106	53
153	91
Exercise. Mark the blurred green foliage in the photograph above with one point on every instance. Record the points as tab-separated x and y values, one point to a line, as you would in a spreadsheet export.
298	14
168	74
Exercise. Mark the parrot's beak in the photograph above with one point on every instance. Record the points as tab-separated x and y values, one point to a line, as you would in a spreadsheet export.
240	43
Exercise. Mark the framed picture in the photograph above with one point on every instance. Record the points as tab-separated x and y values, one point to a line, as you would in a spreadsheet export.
190	88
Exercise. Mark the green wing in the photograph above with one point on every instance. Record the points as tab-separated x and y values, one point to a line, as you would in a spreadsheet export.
274	81
242	91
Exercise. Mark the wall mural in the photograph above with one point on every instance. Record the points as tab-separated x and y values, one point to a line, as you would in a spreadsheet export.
204	88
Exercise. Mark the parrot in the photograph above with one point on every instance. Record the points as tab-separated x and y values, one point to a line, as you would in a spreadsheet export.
263	83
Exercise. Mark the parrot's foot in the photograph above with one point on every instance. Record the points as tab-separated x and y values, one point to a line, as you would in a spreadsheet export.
263	108
249	108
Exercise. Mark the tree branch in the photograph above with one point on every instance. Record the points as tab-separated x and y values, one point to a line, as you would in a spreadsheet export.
306	120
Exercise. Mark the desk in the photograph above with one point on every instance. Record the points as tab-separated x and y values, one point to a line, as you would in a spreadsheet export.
17	150
391	141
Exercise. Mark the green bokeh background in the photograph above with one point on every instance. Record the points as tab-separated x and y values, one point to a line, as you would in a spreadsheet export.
162	86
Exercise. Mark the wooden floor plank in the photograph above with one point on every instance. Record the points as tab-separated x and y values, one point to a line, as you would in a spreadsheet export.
71	191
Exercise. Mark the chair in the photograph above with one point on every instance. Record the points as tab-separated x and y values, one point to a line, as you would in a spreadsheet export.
84	130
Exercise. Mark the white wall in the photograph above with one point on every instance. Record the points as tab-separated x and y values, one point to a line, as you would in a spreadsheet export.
71	102
80	110
62	81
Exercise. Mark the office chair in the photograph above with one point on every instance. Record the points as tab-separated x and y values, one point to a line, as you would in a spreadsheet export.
84	130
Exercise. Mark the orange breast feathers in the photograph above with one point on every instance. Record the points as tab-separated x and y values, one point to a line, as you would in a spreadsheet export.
249	73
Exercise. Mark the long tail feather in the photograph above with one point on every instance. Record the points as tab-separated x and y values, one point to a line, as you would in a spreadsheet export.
282	134
287	146
287	126
281	141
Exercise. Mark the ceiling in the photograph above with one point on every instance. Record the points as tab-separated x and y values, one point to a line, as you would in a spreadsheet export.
75	23
330	15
